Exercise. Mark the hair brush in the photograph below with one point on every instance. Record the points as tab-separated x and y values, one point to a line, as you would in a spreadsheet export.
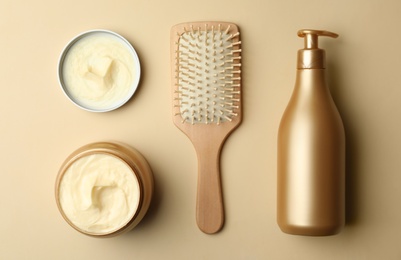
206	83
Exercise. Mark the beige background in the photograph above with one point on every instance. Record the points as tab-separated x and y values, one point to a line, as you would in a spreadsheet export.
39	128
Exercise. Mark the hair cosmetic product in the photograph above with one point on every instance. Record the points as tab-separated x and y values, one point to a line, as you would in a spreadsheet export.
311	150
104	189
99	70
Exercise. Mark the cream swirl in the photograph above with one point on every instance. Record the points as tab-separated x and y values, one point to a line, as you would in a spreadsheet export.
99	193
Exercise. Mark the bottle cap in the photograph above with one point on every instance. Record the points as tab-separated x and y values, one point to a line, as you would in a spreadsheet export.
311	57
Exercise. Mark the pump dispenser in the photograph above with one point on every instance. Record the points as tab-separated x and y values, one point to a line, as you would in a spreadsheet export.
311	150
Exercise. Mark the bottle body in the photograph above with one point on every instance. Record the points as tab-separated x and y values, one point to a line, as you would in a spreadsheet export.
311	160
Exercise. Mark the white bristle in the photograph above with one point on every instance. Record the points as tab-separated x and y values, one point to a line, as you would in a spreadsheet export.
228	29
208	75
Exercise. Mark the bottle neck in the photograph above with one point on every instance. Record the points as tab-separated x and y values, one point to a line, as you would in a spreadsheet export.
311	80
311	59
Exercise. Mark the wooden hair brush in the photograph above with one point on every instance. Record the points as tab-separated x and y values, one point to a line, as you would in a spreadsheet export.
206	83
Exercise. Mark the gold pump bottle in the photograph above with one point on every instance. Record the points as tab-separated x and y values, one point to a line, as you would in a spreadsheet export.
311	150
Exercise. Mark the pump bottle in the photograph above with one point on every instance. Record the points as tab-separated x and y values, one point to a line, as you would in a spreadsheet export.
311	150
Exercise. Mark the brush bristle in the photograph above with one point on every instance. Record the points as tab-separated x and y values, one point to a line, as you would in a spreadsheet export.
208	75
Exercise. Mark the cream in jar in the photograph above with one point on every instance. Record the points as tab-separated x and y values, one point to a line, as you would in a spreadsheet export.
99	193
99	70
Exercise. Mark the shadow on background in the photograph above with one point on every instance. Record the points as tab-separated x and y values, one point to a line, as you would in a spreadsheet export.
338	86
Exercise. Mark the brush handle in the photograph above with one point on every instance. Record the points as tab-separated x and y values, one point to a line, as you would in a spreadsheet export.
209	206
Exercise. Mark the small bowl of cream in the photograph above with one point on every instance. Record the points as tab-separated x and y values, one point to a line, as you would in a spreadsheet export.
104	189
99	70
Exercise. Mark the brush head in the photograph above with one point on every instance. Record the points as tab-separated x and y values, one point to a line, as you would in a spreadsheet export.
207	74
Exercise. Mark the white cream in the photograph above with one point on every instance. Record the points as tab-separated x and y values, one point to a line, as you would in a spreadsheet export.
99	193
99	71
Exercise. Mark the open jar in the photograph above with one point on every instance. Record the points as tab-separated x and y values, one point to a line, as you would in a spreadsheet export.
104	189
99	70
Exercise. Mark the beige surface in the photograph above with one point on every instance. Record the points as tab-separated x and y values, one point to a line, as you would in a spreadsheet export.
39	127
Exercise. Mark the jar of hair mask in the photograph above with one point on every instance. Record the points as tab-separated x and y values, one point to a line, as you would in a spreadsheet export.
99	70
104	189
